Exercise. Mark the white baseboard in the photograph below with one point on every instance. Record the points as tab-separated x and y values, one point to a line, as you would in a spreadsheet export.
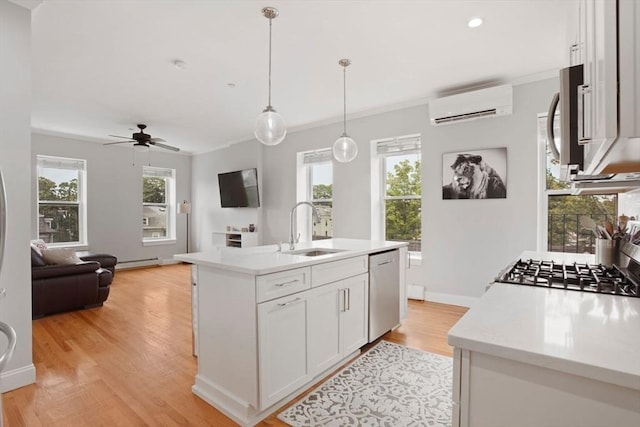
170	261
451	299
16	378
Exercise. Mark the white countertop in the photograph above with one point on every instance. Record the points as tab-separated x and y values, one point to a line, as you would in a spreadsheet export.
591	335
266	259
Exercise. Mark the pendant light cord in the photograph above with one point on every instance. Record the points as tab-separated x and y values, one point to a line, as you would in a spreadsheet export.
344	79
269	104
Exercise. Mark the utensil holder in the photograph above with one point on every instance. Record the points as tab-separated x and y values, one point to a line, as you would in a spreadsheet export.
607	252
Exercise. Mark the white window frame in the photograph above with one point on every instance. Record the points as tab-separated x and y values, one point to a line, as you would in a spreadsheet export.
170	204
79	165
304	188
401	145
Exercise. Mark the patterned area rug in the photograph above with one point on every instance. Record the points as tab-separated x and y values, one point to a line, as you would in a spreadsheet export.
390	385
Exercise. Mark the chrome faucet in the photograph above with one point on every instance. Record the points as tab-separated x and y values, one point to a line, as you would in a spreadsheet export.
293	236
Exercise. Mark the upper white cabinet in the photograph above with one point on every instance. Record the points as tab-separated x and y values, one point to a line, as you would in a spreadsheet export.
608	113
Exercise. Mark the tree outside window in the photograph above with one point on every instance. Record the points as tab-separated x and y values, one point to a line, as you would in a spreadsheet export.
321	180
402	207
156	214
61	210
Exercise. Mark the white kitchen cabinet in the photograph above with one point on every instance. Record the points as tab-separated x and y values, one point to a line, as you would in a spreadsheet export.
282	347
490	391
338	314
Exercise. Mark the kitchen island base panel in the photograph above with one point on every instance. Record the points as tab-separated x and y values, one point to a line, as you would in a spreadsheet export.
246	414
503	392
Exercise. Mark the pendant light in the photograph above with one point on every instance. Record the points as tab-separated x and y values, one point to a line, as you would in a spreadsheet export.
345	148
270	127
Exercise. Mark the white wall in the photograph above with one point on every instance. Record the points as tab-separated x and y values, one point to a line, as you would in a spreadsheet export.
465	242
114	195
208	216
15	122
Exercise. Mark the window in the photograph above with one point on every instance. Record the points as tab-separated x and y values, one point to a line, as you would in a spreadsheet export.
315	184
401	189
158	200
62	213
561	210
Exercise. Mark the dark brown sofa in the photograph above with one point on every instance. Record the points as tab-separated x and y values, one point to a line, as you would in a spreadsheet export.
57	288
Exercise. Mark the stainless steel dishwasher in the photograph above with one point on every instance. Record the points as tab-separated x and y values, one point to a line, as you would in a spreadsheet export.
384	293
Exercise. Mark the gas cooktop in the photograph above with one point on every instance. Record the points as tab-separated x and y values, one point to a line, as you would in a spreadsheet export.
595	278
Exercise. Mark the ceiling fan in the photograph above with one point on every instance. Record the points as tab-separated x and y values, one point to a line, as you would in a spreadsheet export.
143	140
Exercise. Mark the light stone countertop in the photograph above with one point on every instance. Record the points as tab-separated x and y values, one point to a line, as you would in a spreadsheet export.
266	259
581	333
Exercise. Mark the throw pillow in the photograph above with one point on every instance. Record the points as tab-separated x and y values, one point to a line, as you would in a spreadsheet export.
60	256
39	245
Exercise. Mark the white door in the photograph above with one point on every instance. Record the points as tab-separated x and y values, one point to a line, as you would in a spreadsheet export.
325	306
353	323
282	332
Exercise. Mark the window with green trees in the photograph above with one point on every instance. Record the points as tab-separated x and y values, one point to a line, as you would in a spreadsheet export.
398	169
321	186
61	201
157	199
564	231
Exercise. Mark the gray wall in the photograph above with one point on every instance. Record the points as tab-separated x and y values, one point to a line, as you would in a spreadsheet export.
208	216
465	242
15	122
114	194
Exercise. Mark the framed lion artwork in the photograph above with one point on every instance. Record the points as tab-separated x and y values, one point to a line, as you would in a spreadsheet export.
477	174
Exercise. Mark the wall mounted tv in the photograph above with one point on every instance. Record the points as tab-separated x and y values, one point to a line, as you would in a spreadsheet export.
239	189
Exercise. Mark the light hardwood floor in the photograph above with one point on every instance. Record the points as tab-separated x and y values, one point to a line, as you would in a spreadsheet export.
129	362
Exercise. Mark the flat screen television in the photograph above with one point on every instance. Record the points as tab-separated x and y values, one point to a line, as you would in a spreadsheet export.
239	189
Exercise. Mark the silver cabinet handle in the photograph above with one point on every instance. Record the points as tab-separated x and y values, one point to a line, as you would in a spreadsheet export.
347	300
284	304
11	336
389	261
290	282
584	114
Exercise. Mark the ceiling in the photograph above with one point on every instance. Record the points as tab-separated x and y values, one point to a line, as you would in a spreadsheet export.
100	67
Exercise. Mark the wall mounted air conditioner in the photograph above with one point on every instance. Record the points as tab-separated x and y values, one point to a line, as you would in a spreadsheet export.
489	102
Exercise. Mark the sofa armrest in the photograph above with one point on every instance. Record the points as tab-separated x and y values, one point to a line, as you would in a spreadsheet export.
63	270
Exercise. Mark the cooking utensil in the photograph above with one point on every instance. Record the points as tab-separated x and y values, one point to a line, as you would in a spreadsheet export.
589	224
609	227
602	232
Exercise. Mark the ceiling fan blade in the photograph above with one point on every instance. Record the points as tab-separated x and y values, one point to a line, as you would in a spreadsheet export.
168	147
117	142
156	140
118	136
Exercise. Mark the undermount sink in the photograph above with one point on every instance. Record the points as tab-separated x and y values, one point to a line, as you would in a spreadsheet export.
315	251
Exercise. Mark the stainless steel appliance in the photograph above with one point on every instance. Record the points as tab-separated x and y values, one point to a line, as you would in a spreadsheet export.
5	356
595	278
384	293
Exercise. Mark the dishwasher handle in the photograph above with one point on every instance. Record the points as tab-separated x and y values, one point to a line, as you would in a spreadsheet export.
387	261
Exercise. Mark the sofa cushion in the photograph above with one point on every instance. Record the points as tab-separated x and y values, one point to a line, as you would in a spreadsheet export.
39	245
36	258
48	271
60	256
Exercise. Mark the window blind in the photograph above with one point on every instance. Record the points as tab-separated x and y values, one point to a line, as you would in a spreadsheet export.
157	172
401	145
318	156
46	162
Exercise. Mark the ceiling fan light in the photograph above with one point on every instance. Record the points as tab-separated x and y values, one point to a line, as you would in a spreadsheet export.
140	147
270	127
345	149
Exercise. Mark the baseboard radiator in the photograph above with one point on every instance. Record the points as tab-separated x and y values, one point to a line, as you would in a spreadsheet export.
136	263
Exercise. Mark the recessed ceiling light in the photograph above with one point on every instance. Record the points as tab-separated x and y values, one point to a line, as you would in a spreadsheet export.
474	22
179	64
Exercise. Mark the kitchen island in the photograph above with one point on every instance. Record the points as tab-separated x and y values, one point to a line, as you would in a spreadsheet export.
534	356
271	323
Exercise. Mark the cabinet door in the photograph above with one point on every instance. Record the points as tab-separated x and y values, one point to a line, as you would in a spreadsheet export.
282	332
325	306
354	321
598	120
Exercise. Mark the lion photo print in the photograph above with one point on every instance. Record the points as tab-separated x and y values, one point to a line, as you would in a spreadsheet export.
478	174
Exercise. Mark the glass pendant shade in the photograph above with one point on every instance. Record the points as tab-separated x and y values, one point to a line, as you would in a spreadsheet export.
140	148
345	149
270	128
